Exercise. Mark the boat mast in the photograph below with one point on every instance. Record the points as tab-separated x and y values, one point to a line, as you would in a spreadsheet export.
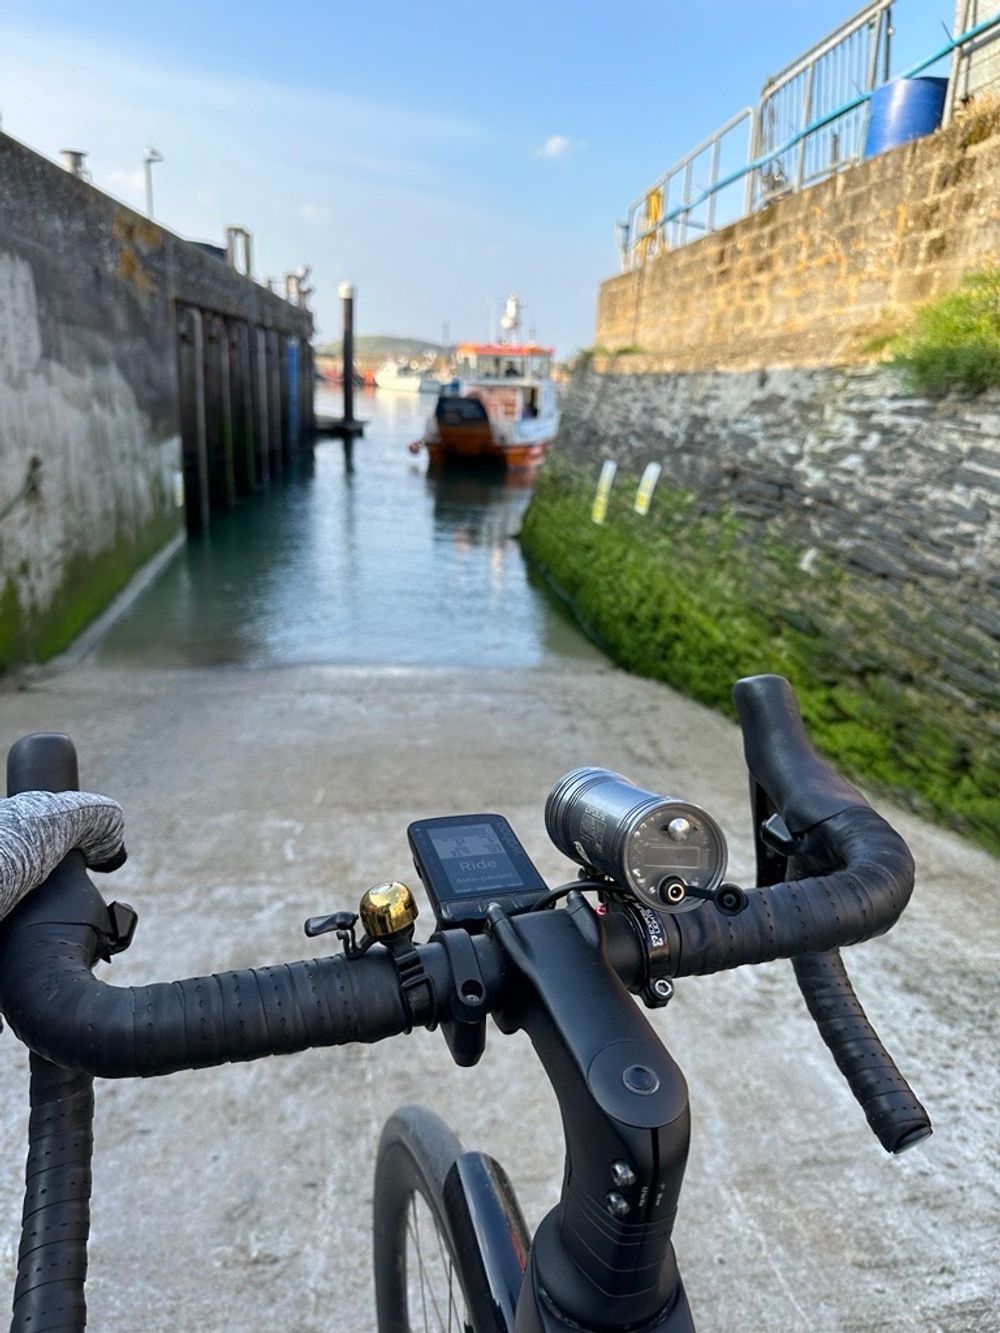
510	321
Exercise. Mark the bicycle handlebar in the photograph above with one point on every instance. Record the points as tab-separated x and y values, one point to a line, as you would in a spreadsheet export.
868	882
57	1007
860	899
51	942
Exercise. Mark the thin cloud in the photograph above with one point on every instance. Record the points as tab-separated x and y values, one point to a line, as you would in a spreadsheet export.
315	213
556	145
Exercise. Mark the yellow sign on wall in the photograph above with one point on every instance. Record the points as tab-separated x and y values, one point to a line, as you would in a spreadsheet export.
604	484
644	495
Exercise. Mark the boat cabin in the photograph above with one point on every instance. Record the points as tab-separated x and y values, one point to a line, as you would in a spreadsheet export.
492	362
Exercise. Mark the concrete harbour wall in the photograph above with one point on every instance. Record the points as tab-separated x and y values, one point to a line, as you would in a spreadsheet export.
142	381
820	523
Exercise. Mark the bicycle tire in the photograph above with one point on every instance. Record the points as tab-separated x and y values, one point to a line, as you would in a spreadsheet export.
419	1282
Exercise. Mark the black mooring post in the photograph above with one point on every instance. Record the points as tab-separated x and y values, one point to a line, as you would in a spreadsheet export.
347	304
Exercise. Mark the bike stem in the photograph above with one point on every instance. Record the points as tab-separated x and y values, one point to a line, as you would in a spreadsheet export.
603	1258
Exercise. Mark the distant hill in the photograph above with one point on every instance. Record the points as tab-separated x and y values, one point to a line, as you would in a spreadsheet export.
383	347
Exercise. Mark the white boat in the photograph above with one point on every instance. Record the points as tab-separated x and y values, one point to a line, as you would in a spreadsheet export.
404	379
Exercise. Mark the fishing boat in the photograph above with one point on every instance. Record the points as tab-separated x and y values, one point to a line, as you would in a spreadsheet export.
502	410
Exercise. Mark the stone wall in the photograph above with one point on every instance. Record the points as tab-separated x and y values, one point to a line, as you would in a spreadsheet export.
820	523
814	277
90	396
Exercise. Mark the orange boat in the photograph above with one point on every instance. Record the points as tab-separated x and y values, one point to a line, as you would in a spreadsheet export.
502	410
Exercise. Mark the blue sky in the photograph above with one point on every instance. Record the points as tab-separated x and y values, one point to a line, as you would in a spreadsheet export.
438	155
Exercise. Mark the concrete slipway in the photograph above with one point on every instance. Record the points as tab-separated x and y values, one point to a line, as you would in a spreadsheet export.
239	1198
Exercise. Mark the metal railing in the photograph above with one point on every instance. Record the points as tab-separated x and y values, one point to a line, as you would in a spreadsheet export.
778	165
966	78
666	221
853	59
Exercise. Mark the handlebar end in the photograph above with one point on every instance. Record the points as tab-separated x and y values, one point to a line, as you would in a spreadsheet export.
914	1137
43	761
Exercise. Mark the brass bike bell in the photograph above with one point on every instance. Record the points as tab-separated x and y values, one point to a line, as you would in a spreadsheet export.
388	909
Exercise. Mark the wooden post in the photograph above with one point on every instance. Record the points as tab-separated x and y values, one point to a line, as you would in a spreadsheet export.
347	428
282	379
218	415
306	390
261	414
244	451
191	386
347	315
274	403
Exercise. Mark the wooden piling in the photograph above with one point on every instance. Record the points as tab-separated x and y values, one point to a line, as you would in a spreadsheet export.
218	415
261	412
274	403
191	389
347	428
244	448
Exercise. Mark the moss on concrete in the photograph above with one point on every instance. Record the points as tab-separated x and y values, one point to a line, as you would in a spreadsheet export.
697	600
10	625
89	584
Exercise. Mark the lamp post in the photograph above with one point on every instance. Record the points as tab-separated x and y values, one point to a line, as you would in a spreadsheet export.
148	159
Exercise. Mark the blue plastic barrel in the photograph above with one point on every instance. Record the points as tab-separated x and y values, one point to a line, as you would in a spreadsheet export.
903	110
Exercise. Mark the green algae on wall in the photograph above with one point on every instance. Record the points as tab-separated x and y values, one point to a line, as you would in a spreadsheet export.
10	626
698	599
88	585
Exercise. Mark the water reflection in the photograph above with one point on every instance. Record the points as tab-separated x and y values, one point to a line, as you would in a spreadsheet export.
477	508
385	565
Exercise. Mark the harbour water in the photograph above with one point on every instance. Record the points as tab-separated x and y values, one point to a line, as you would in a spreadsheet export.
383	566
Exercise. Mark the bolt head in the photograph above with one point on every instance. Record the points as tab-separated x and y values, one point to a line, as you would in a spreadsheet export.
622	1174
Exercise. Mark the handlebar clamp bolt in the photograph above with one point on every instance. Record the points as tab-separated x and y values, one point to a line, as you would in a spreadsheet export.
617	1205
663	989
622	1174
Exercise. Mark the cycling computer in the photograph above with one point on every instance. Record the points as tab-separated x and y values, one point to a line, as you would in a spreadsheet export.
467	862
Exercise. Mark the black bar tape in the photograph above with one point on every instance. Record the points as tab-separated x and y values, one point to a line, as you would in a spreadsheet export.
50	942
52	1261
896	1117
804	788
856	902
60	1010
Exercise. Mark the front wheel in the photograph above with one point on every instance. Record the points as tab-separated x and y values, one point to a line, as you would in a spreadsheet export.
418	1281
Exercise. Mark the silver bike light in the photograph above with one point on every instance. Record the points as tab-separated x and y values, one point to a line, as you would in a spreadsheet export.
669	853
